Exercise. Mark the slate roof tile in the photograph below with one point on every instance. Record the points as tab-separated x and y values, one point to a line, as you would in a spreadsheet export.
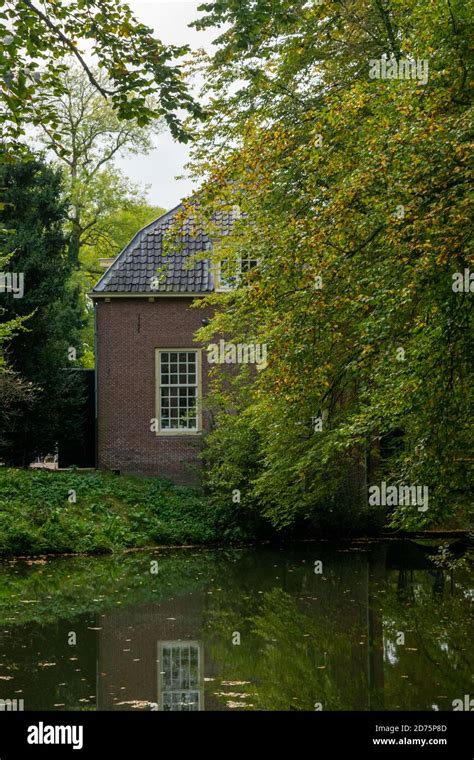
142	264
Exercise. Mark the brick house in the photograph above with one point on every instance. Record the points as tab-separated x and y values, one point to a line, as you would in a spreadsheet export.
150	374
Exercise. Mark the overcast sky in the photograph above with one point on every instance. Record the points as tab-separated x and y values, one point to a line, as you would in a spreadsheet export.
169	19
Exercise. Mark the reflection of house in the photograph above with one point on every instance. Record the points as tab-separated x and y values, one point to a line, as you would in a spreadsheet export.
329	638
151	657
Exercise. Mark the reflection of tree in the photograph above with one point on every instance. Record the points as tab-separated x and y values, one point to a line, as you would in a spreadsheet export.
295	651
66	587
375	665
294	658
434	665
41	603
305	638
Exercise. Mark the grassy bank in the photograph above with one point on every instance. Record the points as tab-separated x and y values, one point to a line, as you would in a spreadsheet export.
38	513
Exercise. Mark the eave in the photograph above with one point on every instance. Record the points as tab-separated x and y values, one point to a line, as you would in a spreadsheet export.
150	296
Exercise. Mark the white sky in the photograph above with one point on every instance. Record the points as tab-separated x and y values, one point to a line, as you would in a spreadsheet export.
169	19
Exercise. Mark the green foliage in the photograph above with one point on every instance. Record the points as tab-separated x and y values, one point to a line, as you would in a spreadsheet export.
120	210
354	195
144	81
89	137
7	328
90	133
110	513
34	215
104	208
114	209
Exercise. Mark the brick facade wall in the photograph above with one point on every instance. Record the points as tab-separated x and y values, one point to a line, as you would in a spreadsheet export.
128	333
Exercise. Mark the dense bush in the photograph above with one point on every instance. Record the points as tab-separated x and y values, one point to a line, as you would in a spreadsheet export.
37	513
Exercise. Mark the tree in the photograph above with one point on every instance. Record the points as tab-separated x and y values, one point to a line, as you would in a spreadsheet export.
7	328
354	198
88	138
120	208
12	389
105	209
38	40
34	215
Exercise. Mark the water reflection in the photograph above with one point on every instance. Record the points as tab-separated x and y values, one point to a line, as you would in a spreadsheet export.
181	680
381	627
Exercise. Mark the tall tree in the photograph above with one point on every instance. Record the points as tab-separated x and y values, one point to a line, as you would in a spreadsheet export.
353	187
105	208
13	390
88	137
34	215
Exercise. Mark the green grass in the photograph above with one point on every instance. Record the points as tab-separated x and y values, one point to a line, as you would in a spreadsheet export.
111	513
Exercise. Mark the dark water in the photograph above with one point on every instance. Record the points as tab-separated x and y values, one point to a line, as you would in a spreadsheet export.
375	626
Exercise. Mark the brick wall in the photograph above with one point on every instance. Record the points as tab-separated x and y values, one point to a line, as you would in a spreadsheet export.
128	333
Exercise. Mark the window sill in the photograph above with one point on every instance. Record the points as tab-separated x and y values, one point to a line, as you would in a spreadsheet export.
178	433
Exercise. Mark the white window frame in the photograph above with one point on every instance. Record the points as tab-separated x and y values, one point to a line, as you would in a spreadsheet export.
221	285
179	431
197	690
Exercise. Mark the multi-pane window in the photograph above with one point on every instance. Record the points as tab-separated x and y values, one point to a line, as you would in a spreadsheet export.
180	682
178	371
230	273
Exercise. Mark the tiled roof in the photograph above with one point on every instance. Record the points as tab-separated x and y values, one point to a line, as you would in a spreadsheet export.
142	268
